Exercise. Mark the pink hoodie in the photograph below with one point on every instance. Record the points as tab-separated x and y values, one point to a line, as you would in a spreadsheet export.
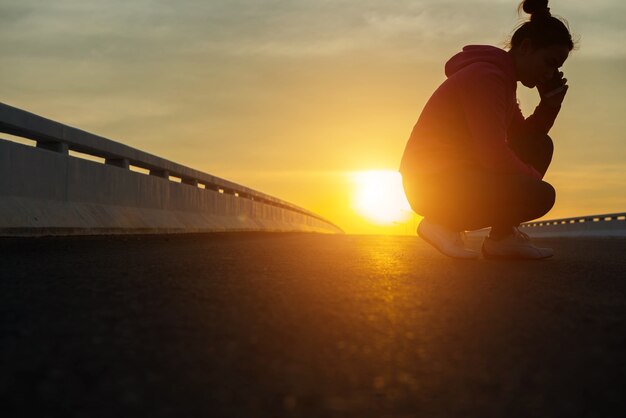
468	118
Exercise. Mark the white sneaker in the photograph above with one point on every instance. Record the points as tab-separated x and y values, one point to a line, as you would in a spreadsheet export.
448	242
514	246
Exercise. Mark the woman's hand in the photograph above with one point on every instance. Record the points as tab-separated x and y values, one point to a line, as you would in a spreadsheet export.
553	92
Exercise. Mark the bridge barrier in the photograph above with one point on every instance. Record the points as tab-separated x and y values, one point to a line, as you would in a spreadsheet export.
49	189
604	225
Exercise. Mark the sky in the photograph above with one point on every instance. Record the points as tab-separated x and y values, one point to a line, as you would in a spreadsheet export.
299	98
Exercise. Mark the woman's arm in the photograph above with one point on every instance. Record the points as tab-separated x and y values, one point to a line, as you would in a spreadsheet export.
542	119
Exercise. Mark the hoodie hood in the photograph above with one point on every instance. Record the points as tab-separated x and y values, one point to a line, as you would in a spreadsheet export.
472	54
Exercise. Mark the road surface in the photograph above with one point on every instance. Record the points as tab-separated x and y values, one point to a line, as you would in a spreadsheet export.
307	325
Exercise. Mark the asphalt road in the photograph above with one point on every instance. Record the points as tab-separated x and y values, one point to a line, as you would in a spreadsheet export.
307	325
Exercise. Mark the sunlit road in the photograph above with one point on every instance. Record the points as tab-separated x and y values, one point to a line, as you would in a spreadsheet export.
261	325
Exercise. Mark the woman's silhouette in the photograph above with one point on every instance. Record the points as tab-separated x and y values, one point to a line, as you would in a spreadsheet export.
473	160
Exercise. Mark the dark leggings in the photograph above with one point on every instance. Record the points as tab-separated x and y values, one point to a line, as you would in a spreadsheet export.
474	198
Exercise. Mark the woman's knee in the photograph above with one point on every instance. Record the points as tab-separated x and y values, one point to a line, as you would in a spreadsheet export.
548	147
536	150
544	152
547	197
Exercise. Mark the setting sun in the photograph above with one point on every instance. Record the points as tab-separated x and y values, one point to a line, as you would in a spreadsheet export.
379	197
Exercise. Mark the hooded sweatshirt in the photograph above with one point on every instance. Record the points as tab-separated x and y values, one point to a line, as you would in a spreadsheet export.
468	119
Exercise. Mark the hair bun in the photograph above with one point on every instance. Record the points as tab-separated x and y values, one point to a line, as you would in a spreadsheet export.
536	7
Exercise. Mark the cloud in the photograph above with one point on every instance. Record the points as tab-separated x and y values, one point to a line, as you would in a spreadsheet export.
149	30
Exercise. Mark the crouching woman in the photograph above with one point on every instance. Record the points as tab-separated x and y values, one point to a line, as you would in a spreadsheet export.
472	160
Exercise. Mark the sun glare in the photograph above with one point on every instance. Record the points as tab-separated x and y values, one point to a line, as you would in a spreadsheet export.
379	197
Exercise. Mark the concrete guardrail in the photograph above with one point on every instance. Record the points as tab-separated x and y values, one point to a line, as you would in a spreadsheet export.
49	189
605	225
